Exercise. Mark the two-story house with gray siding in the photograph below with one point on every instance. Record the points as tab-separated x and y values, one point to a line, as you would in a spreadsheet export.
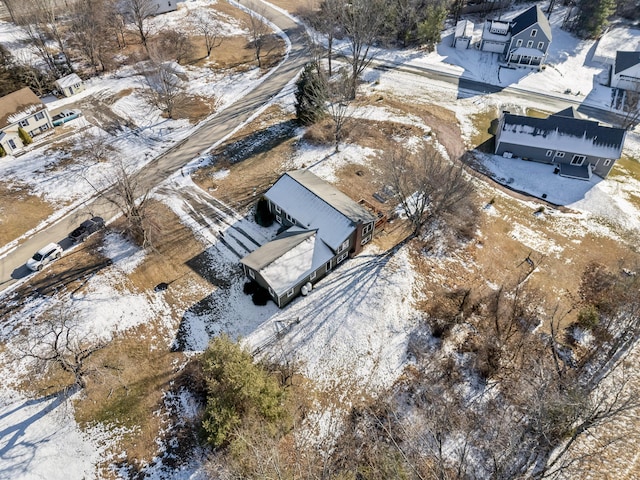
321	228
523	41
21	109
578	146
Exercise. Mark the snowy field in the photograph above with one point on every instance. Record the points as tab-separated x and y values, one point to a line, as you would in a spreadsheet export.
355	324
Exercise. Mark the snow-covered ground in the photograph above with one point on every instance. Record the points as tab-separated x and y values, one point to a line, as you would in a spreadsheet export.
355	324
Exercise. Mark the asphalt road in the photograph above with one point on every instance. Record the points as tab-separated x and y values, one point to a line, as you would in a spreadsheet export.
12	265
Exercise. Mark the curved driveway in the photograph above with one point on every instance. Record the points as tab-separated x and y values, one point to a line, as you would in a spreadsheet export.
210	132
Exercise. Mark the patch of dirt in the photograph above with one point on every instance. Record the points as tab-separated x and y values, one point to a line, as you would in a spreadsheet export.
20	211
255	157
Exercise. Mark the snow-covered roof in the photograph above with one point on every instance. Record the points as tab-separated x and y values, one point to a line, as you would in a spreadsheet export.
464	28
626	60
68	81
18	105
289	258
489	35
564	134
316	204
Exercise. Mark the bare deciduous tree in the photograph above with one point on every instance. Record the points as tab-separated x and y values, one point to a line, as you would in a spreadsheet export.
362	22
57	340
207	26
339	104
259	32
164	88
140	11
124	190
327	21
92	32
425	183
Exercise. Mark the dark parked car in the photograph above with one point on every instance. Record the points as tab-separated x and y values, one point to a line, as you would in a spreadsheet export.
86	228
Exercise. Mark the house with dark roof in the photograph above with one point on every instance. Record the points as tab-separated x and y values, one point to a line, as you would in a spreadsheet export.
626	71
523	41
21	110
579	147
321	227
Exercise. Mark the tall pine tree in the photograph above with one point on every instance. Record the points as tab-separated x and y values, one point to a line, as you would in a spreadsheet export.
311	95
593	17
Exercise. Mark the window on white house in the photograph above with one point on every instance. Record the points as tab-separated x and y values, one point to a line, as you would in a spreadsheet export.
560	154
549	153
12	144
534	32
530	44
312	276
44	127
540	45
290	293
607	162
24	123
252	274
578	160
33	133
519	42
39	116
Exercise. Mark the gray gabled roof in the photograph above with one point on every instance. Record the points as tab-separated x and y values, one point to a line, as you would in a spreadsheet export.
569	112
332	196
563	133
271	251
314	203
625	60
530	17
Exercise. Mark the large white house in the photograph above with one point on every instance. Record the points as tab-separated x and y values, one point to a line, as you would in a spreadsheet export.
21	110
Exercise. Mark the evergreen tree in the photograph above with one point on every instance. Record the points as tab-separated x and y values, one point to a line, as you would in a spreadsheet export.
238	390
593	17
311	95
24	136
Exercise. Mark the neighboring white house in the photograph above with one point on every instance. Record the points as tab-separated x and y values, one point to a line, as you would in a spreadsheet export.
626	71
164	6
69	85
21	109
463	36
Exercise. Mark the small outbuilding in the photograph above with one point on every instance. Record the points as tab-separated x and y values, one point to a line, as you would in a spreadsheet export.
463	36
69	85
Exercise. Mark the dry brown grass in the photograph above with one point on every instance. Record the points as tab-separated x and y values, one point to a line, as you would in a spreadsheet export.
20	211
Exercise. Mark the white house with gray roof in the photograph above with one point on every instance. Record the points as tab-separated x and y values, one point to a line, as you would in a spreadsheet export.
321	227
523	41
626	71
579	147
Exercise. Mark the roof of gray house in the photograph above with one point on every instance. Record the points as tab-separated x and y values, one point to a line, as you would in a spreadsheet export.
530	17
625	60
569	112
563	133
314	203
289	258
18	105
